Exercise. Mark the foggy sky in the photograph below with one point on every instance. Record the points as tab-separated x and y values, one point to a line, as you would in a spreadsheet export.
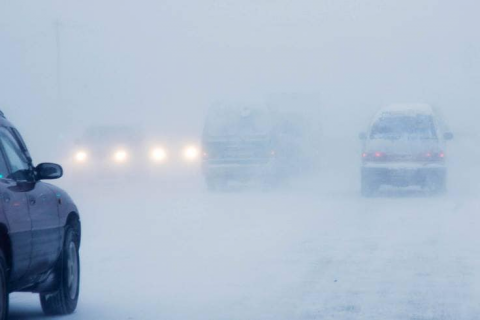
161	64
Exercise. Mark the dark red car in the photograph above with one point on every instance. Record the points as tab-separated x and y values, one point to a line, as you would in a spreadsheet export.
40	230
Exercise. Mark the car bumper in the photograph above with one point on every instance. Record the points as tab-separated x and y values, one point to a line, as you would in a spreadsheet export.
403	175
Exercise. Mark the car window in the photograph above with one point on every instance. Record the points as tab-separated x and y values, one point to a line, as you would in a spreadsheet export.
397	127
19	164
3	167
19	138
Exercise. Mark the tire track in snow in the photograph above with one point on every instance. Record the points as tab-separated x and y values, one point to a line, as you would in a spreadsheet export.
403	264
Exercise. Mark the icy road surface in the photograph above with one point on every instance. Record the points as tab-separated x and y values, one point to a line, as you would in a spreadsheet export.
174	251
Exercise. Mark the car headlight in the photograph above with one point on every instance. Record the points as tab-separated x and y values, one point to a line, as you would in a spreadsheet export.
191	153
120	156
81	157
158	155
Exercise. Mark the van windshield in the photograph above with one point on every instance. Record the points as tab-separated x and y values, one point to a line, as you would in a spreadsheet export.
404	127
238	122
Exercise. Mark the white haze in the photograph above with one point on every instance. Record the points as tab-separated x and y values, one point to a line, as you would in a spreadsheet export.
164	62
159	65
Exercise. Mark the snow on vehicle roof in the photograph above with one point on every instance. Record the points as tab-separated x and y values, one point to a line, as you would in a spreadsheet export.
404	109
407	109
231	120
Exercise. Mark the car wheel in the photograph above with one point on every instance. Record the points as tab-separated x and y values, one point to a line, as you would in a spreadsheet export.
436	184
435	189
65	300
3	288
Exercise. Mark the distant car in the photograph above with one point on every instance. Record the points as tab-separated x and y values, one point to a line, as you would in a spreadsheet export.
40	230
243	144
108	147
112	151
405	146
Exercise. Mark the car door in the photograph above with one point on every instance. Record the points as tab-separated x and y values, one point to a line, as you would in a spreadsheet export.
43	209
46	230
13	201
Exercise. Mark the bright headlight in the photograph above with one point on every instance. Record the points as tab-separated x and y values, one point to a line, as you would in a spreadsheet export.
191	153
81	157
120	156
158	155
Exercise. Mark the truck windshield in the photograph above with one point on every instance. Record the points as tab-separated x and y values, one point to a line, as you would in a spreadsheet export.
400	127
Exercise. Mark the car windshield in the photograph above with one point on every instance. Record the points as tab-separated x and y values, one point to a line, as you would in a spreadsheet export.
398	127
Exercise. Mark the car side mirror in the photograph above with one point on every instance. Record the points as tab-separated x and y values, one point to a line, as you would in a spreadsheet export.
362	136
448	136
48	171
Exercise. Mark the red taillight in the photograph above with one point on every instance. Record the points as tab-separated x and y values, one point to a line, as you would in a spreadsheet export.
434	156
375	156
384	157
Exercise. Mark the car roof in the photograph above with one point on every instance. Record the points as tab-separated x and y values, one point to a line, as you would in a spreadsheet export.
3	120
409	109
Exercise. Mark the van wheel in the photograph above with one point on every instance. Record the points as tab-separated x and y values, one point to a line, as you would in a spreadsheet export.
369	188
3	288
215	184
65	300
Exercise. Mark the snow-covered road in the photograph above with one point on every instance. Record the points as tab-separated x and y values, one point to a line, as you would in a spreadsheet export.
174	251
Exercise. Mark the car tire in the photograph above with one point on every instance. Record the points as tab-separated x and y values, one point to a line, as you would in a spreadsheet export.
436	185
65	300
3	288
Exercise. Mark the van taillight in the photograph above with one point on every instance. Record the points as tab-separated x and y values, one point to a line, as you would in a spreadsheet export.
375	156
434	156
